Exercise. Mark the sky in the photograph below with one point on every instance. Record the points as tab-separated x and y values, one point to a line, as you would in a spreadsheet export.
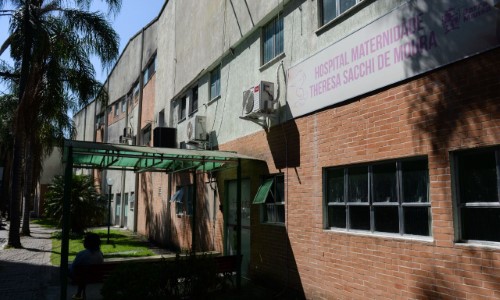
133	16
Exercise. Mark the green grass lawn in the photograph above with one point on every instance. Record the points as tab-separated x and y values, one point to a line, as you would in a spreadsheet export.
121	244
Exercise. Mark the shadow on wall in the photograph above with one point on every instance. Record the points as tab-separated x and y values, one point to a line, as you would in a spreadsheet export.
160	226
274	263
460	278
453	104
284	143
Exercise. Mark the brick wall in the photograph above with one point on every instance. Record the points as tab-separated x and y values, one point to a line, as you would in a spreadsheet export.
456	107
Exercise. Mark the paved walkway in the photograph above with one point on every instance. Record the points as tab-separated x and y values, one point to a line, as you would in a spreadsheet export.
26	273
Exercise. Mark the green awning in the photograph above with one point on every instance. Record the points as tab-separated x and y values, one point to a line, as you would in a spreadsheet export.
261	196
146	159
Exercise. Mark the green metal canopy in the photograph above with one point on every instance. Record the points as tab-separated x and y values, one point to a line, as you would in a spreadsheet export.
146	159
79	154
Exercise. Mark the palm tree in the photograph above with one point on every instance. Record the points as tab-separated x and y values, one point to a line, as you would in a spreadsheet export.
51	43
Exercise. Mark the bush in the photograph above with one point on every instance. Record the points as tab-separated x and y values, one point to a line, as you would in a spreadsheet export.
190	277
88	208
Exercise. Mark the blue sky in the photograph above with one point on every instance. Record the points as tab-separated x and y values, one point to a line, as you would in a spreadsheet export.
134	15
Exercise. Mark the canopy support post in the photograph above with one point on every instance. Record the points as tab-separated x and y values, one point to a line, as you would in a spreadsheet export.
193	217
238	223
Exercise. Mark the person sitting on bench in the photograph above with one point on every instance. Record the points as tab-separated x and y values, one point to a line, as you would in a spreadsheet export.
90	256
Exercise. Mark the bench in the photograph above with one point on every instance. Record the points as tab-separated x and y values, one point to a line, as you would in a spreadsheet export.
226	266
94	273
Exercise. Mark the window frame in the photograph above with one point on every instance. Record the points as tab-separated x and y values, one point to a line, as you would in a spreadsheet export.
215	84
265	207
131	202
146	129
459	205
264	60
194	99
372	205
182	109
117	108
150	70
124	104
338	14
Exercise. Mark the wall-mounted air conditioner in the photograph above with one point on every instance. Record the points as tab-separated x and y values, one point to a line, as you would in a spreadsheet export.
259	99
196	130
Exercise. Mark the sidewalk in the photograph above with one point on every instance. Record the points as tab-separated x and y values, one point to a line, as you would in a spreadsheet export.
26	273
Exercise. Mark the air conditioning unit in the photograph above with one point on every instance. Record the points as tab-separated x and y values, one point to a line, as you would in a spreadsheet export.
196	129
259	99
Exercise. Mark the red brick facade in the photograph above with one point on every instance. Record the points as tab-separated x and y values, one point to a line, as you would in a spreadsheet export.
456	107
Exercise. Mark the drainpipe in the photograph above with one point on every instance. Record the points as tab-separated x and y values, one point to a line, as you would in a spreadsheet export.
138	136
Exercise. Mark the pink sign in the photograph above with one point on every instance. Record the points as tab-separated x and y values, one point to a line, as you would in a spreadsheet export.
417	37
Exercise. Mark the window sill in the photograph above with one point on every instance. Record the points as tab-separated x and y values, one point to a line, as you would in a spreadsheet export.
272	61
425	239
191	114
478	244
181	120
214	99
279	224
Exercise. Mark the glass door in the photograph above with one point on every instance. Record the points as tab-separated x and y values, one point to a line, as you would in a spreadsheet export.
231	233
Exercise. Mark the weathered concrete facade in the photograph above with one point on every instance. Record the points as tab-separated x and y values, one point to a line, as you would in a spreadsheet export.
437	113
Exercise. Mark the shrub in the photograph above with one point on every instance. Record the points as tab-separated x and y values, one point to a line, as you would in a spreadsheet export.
88	208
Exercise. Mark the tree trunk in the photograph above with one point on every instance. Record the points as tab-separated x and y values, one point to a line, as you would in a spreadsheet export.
14	237
28	193
15	220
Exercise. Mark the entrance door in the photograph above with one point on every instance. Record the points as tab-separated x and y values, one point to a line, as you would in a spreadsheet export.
231	233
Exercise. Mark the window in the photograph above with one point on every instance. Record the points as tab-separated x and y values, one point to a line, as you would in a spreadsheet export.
272	44
183	199
100	120
136	92
271	195
146	135
331	9
193	103
478	194
132	201
124	104
117	108
150	70
215	84
388	197
182	109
